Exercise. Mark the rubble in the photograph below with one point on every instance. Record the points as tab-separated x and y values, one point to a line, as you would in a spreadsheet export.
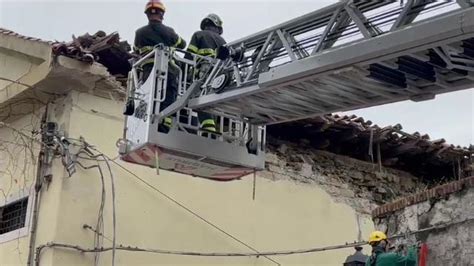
105	49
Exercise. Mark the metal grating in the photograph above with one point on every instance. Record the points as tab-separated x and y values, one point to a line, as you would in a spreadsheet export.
306	67
13	216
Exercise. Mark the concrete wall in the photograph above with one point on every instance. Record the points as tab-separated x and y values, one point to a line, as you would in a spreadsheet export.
450	245
25	61
287	213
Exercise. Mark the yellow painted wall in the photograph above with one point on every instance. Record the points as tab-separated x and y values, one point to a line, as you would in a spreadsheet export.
25	61
17	171
284	215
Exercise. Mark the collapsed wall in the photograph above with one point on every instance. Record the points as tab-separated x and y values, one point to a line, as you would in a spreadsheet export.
444	217
361	185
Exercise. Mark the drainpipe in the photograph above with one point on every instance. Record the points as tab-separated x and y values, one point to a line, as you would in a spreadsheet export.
37	199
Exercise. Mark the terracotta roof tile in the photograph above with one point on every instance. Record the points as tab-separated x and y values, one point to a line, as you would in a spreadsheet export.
359	138
4	31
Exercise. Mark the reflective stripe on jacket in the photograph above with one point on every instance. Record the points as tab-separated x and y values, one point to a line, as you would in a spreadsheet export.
205	43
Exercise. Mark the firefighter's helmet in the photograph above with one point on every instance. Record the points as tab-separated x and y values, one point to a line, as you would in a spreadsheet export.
153	5
214	20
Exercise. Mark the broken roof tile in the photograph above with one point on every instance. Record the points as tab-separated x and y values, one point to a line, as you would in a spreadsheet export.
349	135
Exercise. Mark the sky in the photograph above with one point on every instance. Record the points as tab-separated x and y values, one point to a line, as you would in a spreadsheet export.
449	116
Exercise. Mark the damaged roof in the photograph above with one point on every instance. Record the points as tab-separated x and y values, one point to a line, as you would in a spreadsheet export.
106	49
387	146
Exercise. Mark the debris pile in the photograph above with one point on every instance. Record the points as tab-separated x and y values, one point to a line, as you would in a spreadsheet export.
387	146
105	49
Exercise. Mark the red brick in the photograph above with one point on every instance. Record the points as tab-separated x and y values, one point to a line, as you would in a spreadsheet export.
437	192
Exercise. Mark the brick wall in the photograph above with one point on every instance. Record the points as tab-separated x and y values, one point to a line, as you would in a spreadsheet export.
431	194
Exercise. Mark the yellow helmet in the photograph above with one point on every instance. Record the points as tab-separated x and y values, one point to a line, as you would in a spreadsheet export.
377	236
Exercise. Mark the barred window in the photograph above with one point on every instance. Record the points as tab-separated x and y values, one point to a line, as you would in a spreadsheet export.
13	216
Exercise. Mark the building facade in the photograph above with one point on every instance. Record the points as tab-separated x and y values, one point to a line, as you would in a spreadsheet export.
58	115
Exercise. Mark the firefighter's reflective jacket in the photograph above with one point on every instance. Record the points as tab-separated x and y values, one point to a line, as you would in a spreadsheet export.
156	33
205	43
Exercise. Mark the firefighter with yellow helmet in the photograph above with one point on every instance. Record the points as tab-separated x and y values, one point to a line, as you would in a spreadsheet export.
155	33
381	256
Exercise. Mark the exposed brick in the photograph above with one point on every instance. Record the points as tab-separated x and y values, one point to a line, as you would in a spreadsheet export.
437	192
449	245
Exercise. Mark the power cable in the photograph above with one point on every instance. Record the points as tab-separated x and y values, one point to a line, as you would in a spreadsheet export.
107	160
85	149
100	215
189	210
114	216
231	254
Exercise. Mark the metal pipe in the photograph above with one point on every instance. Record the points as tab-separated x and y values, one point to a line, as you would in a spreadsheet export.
37	198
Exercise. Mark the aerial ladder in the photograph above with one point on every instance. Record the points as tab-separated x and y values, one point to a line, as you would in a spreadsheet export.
346	56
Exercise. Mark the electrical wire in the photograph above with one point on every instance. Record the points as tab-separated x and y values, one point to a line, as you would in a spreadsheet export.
112	180
107	159
114	218
21	149
3	124
100	215
187	209
243	254
88	227
100	220
202	254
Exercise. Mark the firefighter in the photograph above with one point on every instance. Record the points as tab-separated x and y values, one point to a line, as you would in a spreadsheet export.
382	257
147	37
205	43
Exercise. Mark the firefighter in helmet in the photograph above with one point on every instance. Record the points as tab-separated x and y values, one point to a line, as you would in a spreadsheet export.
205	43
381	256
155	33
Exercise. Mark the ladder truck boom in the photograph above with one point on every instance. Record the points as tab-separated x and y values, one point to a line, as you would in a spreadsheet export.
347	56
305	67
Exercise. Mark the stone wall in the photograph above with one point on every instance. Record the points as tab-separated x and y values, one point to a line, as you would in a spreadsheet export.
359	184
446	218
